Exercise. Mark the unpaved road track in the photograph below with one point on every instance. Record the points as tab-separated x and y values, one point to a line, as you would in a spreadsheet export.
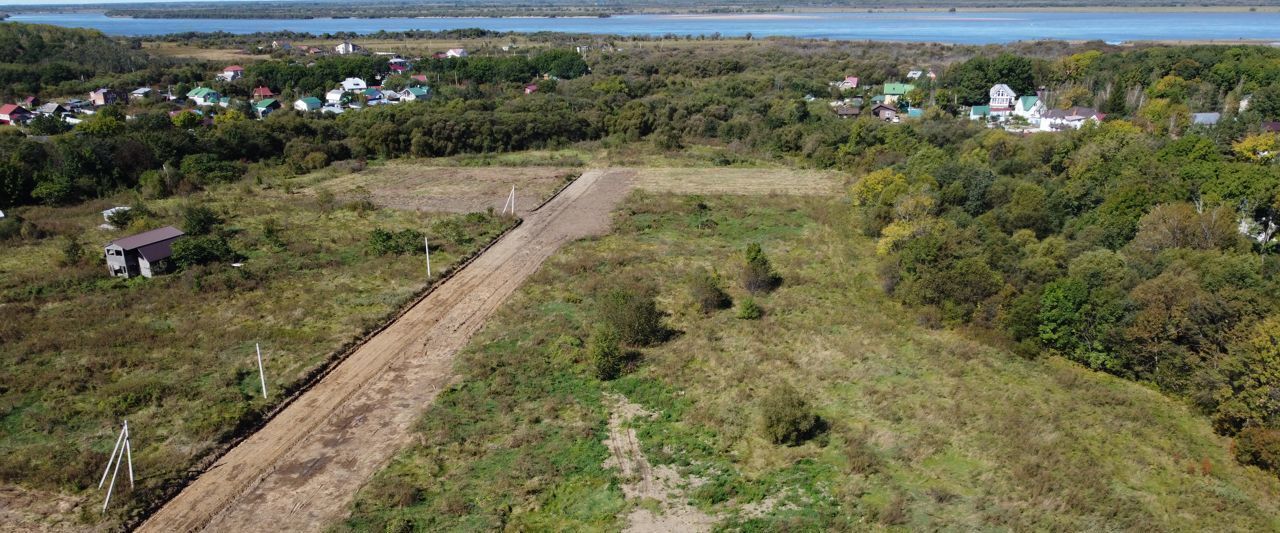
300	472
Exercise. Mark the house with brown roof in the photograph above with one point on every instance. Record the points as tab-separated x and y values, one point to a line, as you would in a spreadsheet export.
145	254
260	93
232	73
885	112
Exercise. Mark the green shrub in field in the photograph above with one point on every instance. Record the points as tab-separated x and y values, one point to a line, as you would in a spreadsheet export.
201	250
1259	447
72	251
383	242
749	309
604	347
205	169
757	273
633	314
200	220
785	418
707	292
122	218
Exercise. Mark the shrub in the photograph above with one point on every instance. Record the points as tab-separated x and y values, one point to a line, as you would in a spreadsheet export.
706	291
757	274
785	418
72	252
204	169
201	250
122	218
200	220
1259	447
383	242
749	309
604	347
633	314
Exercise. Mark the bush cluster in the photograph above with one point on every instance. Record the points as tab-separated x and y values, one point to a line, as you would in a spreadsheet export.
786	418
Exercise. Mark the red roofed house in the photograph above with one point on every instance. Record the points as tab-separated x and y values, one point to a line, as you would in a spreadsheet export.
13	114
142	254
30	102
262	92
232	73
531	88
419	77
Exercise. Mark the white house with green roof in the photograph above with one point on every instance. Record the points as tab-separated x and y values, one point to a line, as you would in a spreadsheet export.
415	93
894	91
308	103
1029	107
204	96
265	106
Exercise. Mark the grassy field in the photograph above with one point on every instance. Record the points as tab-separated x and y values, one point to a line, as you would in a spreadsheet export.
924	429
458	189
175	354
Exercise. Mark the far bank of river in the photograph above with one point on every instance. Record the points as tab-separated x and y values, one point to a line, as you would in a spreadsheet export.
964	27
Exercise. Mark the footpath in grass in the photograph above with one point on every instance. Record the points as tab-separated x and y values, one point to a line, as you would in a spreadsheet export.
174	354
920	428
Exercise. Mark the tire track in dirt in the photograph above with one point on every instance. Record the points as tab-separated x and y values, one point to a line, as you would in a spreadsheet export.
300	472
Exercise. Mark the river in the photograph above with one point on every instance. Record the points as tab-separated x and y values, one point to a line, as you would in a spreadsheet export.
979	27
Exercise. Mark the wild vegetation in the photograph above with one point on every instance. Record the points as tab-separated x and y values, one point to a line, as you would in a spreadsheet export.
837	410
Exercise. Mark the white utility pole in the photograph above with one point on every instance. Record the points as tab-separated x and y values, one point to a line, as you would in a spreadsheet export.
119	454
262	375
427	246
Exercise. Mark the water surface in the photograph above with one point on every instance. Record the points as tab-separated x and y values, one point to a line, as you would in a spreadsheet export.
969	28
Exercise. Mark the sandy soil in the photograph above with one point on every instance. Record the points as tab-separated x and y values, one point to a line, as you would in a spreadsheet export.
29	510
301	471
450	189
642	481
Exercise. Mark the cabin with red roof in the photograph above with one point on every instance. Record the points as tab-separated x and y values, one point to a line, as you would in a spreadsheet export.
232	73
260	93
13	114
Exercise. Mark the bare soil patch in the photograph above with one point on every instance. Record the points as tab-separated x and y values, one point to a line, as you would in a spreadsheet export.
450	189
642	481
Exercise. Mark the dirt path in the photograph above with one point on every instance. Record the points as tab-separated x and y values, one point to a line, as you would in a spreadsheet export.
301	471
662	485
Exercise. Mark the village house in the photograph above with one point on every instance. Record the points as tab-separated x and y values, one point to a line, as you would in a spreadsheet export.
894	91
1070	118
848	83
456	52
1001	101
281	45
261	93
102	97
336	97
29	102
308	103
141	93
14	114
232	73
372	95
265	106
979	112
204	96
347	48
915	74
1029	107
354	84
847	111
415	93
52	109
886	113
531	88
145	254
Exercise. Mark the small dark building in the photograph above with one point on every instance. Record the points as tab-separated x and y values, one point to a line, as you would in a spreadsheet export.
884	112
144	254
847	111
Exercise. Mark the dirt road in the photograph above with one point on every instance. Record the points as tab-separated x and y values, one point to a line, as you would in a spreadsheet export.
301	471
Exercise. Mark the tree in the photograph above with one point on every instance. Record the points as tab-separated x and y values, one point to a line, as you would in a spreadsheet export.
604	349
1015	71
1251	373
199	220
707	292
187	119
757	273
47	125
201	250
1259	147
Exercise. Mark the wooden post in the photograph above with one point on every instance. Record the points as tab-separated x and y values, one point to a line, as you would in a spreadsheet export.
427	246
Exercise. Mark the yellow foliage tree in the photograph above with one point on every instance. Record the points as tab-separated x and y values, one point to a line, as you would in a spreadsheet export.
1260	147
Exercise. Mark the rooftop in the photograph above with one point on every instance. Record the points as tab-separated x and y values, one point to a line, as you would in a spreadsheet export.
148	237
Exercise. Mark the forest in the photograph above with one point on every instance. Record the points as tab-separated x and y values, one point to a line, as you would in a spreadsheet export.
1143	246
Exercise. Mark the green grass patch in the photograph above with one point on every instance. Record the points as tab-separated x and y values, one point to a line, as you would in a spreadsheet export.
923	428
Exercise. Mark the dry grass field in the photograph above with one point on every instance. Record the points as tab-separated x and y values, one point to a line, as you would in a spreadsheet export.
413	186
738	181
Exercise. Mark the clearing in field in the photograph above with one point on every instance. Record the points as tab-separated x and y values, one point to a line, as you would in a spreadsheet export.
405	185
916	428
741	181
